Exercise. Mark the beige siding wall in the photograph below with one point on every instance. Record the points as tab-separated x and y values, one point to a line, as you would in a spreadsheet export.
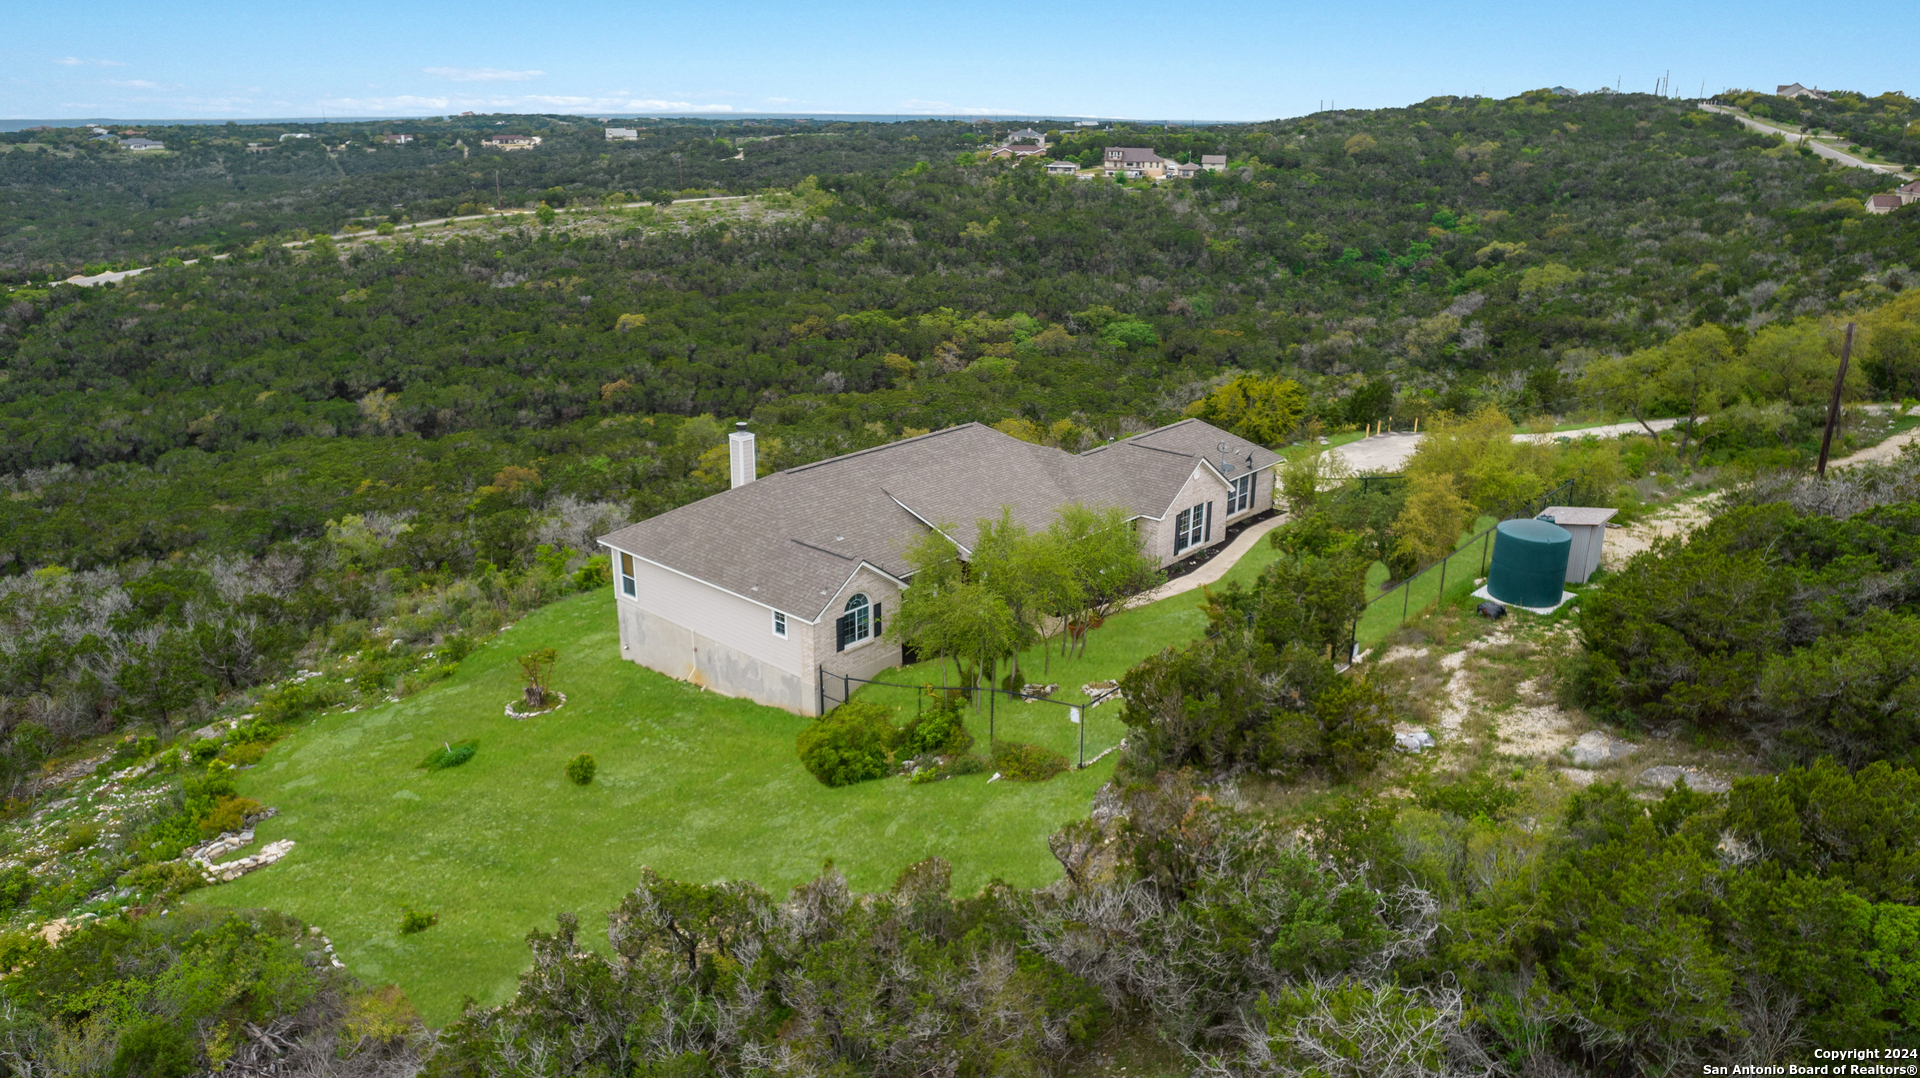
695	632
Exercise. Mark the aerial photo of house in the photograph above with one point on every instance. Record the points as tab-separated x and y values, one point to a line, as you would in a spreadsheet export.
756	590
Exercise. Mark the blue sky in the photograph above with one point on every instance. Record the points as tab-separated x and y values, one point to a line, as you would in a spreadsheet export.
1149	59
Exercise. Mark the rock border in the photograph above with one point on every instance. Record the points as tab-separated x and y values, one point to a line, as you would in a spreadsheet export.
515	713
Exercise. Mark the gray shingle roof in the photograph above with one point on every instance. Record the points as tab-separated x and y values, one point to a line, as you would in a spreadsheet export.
791	539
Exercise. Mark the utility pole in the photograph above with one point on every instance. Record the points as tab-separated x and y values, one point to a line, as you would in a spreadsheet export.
1833	406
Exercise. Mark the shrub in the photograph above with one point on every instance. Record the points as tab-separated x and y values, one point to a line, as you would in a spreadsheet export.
1026	763
163	880
450	755
156	1048
205	750
382	1016
229	814
412	920
580	769
245	753
940	730
79	837
16	884
852	743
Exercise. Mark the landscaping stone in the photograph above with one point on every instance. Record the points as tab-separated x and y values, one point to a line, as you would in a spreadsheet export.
1039	692
1577	776
1664	776
1412	740
1596	747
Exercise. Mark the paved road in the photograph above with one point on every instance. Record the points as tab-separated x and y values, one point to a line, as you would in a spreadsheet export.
1389	452
1815	145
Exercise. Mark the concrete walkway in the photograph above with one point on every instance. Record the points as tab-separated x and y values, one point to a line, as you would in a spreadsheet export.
1215	568
1390	452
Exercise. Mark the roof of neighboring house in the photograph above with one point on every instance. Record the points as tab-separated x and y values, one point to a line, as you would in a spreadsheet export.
1063	165
1027	132
1910	188
142	144
1136	153
1884	200
1213	159
793	538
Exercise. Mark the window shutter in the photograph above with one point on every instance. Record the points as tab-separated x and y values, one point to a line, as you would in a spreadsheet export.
842	629
876	621
1206	533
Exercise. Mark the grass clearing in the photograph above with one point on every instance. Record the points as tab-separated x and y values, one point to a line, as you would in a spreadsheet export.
693	784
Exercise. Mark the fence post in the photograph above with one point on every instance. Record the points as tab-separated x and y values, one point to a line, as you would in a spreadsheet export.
1440	597
1406	596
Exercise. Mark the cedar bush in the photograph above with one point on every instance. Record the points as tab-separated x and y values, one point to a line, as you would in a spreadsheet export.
580	769
413	921
852	743
450	755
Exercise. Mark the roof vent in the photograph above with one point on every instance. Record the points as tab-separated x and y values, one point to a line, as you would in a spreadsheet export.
740	450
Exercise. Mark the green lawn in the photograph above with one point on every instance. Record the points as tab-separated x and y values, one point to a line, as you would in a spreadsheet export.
694	784
1389	612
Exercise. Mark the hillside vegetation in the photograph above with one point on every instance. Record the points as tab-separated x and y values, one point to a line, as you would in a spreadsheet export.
257	505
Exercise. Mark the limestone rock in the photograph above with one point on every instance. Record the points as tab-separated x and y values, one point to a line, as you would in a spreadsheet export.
1412	740
1664	776
1596	747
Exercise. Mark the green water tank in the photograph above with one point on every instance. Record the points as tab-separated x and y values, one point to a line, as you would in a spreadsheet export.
1529	562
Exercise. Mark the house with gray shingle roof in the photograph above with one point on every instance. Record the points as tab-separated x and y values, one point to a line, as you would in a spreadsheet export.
761	590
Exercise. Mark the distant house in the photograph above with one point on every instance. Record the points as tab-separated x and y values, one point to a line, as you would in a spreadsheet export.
466	114
1062	168
140	145
511	142
1213	162
1027	134
1562	91
1137	162
622	134
1908	192
767	590
254	147
397	140
1003	153
1884	203
1086	123
294	134
1794	89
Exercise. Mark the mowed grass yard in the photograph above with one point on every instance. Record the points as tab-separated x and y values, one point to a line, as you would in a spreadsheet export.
697	786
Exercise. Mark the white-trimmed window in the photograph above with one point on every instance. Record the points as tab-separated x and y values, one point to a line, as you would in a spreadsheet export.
1193	527
861	621
1241	499
779	624
628	586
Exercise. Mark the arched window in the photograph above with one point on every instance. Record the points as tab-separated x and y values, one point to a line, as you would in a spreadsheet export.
860	622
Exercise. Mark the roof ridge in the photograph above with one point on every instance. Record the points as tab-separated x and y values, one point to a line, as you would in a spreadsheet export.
888	445
821	549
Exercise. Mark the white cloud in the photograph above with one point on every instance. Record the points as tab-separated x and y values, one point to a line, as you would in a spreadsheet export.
481	74
75	61
135	84
71	61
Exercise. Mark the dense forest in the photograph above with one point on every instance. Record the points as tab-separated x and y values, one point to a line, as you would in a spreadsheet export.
375	453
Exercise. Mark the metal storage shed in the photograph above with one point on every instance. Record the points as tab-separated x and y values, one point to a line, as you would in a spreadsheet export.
1588	526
